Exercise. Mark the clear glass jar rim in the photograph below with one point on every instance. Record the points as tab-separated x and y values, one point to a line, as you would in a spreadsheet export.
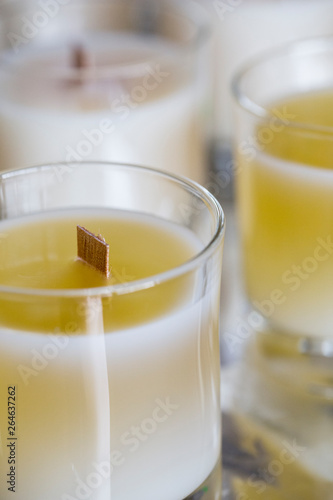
304	47
209	200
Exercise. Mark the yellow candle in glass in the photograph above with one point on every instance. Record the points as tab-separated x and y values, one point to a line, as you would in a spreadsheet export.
285	200
114	378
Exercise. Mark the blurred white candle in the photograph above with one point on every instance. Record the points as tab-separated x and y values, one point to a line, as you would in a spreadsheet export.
134	104
244	28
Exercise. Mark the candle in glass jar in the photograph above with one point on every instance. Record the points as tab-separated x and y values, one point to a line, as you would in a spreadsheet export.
244	29
132	100
121	370
285	200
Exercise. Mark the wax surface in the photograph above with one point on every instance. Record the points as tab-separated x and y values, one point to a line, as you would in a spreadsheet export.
42	254
286	212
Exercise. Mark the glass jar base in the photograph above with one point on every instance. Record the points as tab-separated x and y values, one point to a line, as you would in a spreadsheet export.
211	488
304	364
288	394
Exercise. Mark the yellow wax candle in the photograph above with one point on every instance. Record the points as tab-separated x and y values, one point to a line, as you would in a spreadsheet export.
285	188
116	393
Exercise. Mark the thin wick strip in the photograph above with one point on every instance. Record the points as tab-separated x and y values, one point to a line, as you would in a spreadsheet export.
81	60
93	250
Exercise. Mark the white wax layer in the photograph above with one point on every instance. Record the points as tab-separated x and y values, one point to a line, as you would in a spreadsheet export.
148	368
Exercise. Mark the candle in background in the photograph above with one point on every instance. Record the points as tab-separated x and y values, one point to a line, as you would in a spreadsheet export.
285	186
284	198
116	381
106	87
243	29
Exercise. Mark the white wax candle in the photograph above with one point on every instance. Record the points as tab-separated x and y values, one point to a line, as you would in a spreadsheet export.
135	104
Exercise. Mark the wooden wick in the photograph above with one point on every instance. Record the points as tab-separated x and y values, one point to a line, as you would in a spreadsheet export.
81	60
93	250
